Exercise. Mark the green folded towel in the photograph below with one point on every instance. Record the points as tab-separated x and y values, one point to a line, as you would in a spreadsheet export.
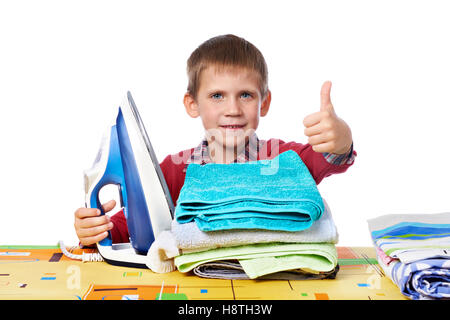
266	258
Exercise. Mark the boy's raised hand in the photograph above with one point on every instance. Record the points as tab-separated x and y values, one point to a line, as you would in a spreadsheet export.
90	226
326	132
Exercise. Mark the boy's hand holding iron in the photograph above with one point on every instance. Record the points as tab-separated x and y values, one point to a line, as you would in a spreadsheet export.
90	226
326	132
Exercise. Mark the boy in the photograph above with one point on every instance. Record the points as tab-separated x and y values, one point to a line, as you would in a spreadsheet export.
228	90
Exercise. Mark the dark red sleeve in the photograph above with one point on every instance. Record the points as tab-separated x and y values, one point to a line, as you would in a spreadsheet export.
173	170
119	233
316	163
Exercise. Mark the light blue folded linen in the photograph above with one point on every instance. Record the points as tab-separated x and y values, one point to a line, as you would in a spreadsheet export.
244	196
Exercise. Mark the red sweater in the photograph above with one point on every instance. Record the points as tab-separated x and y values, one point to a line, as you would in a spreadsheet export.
173	165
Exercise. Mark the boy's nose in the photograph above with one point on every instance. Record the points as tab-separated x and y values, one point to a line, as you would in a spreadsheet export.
233	108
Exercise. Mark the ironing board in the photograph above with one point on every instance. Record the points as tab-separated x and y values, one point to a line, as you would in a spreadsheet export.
43	272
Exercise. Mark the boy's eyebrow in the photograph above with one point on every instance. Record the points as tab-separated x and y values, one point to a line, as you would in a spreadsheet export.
211	91
215	90
250	90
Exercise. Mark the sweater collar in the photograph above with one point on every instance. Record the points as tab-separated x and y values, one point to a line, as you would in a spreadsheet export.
200	155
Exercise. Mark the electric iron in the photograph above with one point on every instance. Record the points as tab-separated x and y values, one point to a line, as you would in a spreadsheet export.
126	158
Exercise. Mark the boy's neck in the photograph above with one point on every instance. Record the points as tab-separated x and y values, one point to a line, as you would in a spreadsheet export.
221	154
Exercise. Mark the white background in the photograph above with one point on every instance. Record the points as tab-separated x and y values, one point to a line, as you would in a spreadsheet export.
65	66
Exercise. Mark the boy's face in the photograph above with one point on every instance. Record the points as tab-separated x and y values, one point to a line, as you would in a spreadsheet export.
229	103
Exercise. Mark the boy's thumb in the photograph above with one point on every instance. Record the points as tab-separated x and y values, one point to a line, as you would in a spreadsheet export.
325	99
108	206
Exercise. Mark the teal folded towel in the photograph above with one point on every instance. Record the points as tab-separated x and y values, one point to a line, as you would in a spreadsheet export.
277	194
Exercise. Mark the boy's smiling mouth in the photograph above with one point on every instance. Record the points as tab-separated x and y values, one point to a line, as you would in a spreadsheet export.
233	126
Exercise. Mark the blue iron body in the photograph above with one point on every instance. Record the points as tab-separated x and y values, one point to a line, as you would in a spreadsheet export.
123	168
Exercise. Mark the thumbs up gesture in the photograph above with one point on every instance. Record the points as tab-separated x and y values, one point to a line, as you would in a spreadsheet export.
326	132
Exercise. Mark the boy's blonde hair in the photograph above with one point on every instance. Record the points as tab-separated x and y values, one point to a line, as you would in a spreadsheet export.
226	51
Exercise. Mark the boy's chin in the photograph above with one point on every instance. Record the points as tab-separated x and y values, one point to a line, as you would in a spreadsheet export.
233	144
229	138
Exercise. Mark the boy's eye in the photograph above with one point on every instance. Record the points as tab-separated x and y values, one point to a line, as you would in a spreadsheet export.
216	96
246	95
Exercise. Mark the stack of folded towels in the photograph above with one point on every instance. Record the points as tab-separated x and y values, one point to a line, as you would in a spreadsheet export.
260	219
414	252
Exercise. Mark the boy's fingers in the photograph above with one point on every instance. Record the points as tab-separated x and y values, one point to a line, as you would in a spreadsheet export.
82	213
86	241
90	232
318	139
313	130
312	119
323	147
108	206
92	222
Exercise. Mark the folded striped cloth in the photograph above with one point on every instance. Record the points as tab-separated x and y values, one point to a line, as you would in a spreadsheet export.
412	237
276	194
232	270
414	252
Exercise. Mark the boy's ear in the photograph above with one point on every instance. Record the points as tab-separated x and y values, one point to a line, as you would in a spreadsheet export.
265	104
190	105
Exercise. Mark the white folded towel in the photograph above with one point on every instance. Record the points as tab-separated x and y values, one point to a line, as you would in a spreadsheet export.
161	253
